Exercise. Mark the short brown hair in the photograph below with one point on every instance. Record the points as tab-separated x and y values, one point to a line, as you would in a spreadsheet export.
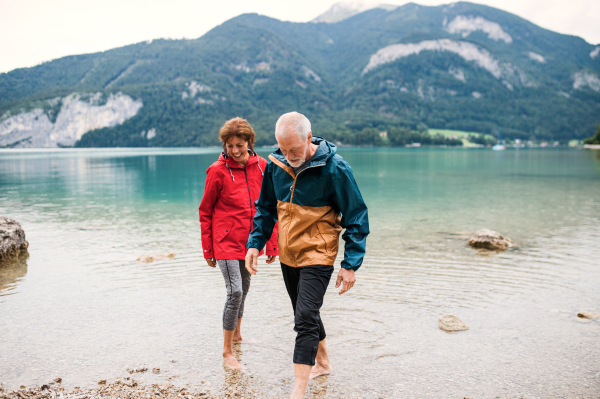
238	127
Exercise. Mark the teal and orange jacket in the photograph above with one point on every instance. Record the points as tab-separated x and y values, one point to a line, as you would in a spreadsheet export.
312	208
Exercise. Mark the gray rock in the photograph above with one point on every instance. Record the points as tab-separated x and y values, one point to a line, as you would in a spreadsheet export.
490	239
588	314
12	239
450	322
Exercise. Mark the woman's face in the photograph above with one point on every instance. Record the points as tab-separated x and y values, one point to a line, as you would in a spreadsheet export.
237	148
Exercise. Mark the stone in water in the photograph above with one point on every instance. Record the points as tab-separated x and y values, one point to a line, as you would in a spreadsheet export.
489	239
588	314
450	322
152	258
12	239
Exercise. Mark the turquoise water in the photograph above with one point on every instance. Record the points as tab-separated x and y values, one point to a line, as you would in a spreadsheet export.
82	308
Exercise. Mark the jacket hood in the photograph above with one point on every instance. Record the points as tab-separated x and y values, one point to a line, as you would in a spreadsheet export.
323	154
232	163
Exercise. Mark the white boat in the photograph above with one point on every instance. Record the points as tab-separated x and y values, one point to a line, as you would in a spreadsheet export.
501	146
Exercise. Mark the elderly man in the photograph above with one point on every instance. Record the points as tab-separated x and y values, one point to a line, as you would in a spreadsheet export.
306	187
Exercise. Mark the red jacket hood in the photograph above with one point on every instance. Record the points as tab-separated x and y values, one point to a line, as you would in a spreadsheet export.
232	163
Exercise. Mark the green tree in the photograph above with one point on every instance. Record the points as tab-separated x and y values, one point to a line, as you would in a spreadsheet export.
595	139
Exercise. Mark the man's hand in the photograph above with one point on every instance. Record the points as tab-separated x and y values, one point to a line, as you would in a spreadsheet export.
348	277
251	260
271	259
211	262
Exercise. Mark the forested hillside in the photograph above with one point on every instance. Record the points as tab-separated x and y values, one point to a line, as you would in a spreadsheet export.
460	66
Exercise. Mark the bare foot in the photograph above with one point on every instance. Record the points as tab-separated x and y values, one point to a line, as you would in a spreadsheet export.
237	339
231	362
319	370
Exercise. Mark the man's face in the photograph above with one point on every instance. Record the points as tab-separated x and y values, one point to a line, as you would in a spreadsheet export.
293	149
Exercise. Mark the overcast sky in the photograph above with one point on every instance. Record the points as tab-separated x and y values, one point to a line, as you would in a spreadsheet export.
33	31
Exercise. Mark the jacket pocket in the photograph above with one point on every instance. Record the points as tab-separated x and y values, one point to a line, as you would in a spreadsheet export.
223	230
326	238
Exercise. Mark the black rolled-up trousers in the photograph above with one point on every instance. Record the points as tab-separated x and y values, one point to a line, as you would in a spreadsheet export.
306	287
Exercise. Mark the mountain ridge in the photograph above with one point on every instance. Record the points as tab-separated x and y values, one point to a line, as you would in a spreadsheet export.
461	66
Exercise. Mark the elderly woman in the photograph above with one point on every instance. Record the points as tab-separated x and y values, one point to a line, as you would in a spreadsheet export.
232	187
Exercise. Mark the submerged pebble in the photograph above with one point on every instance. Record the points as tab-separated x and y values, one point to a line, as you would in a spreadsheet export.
588	314
152	258
138	370
451	322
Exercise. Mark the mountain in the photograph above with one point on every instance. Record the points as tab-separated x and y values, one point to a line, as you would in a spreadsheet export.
460	66
340	11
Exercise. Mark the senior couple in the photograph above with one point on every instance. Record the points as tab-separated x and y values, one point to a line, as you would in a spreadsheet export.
296	205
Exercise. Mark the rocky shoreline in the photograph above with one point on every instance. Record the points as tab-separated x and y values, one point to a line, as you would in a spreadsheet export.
109	391
235	385
129	390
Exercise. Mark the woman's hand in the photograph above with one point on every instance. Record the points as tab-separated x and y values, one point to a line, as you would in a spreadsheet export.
271	258
211	262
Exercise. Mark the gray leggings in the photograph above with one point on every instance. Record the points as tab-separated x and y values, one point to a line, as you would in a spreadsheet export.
237	281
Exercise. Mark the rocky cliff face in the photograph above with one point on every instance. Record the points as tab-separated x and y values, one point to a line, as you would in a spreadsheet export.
77	115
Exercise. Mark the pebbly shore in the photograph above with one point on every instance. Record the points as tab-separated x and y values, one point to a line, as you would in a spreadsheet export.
130	389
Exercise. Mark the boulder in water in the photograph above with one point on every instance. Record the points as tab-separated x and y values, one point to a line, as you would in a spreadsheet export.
489	239
451	322
152	258
588	314
12	239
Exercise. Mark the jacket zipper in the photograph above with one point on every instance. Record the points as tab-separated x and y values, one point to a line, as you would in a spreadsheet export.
249	197
294	185
292	199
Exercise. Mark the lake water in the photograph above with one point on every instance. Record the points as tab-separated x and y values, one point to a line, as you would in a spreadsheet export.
82	308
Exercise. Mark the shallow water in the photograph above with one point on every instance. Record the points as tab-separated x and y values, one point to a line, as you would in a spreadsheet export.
82	308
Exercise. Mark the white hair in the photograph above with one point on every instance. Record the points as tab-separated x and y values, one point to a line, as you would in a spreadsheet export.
293	122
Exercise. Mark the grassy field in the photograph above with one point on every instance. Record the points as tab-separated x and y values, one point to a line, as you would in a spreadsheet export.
460	134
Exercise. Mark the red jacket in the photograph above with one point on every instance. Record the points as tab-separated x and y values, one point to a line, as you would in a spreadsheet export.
227	208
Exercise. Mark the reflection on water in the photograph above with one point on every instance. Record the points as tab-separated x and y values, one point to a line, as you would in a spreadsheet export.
11	272
87	310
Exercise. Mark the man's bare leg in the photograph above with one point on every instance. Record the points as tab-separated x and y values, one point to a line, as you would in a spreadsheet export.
322	366
237	336
228	359
301	374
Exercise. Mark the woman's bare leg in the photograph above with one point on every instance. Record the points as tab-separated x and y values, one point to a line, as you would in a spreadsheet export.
237	336
228	359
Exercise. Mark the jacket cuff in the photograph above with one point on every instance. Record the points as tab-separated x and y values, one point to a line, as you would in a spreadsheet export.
348	267
272	251
208	254
254	244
